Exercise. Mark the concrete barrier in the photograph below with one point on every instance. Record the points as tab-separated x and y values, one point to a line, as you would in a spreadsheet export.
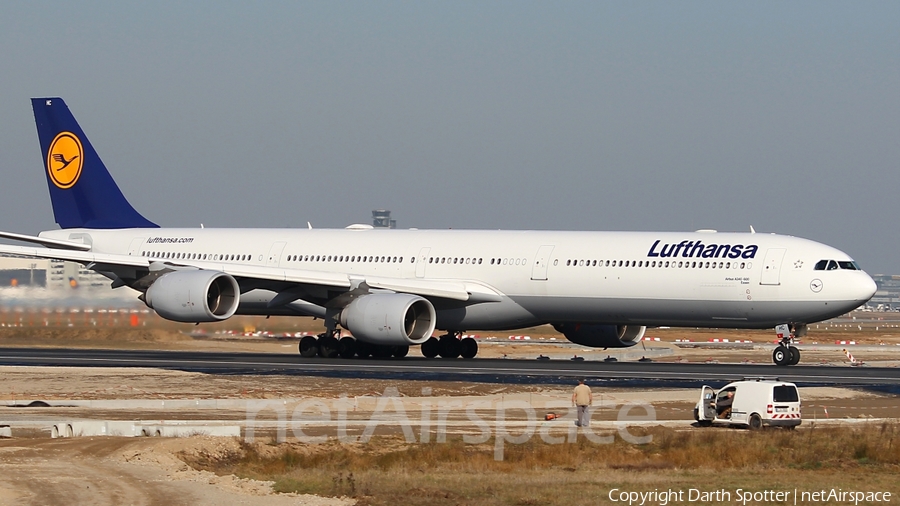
5	431
132	429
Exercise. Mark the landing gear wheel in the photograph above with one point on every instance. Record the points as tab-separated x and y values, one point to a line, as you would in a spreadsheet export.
309	347
450	347
400	351
781	355
468	348
431	348
755	422
363	350
347	347
328	347
795	355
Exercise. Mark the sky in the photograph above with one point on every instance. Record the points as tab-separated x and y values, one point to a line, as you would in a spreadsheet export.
656	116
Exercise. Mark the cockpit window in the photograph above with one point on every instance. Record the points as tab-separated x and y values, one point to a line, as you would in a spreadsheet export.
831	265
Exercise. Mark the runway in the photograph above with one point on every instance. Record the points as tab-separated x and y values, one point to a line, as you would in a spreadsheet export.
482	370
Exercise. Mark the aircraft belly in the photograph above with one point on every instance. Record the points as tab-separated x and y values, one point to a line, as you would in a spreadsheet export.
690	313
506	314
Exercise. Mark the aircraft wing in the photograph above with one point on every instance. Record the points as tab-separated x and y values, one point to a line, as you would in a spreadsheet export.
449	289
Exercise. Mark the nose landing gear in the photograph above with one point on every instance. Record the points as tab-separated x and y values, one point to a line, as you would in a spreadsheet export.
786	353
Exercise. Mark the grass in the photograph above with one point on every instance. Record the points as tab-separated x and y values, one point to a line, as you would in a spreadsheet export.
388	471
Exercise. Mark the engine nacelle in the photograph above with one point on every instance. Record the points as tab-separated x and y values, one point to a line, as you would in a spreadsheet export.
601	336
390	319
194	296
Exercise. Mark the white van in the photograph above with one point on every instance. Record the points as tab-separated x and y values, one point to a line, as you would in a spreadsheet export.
751	403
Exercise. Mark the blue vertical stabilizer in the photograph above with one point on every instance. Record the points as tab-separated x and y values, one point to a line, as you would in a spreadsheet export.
83	193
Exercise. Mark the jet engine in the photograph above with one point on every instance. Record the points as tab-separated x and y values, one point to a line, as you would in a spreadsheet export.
601	336
194	296
393	319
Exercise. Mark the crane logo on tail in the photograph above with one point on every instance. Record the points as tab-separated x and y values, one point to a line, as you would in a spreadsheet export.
65	158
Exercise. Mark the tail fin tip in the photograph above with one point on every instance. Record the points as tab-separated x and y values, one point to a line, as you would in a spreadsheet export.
83	193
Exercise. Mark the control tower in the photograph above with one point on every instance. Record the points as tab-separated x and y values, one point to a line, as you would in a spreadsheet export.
381	218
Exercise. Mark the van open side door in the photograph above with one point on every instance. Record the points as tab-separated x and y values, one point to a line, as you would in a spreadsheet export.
707	404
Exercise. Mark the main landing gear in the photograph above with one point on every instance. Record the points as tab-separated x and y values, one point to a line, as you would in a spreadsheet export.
330	344
786	353
450	345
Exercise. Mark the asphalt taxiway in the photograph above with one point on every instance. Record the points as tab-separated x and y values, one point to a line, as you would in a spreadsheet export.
485	370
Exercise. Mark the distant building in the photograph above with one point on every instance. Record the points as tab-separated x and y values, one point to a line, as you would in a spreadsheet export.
50	274
887	298
381	218
21	271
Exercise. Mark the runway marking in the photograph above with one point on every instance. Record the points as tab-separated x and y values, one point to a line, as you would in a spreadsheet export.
487	367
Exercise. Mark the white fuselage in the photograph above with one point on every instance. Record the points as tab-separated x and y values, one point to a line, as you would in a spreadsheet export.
704	279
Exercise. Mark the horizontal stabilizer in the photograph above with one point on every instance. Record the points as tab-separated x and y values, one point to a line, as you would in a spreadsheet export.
43	241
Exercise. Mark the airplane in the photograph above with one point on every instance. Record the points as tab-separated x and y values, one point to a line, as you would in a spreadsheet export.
391	289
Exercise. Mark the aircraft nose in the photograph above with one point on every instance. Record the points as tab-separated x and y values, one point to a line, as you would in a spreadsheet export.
865	288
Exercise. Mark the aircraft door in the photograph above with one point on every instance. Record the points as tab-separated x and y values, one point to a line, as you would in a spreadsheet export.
541	262
771	271
135	248
274	258
421	261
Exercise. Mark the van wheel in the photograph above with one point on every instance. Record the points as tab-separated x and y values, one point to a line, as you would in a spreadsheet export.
755	422
702	423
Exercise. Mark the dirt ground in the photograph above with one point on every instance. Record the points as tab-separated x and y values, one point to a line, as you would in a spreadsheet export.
35	469
114	471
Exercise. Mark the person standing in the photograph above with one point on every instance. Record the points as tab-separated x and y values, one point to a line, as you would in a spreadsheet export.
582	398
